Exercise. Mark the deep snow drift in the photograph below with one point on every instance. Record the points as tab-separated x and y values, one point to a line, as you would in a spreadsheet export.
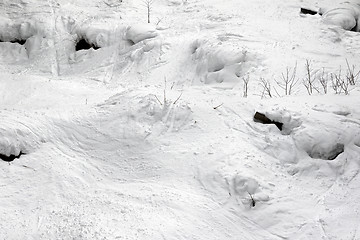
147	131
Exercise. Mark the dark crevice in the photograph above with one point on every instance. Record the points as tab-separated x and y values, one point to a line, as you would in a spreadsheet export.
308	11
82	44
354	29
11	157
19	41
261	118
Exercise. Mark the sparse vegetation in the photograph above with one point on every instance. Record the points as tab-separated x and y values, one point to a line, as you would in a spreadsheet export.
351	74
148	4
324	79
288	80
165	102
266	88
336	82
246	85
310	79
315	80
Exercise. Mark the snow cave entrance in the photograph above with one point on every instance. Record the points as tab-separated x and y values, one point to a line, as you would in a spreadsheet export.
82	44
11	157
262	118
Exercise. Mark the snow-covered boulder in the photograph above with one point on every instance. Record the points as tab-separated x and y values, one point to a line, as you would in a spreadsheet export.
346	16
139	32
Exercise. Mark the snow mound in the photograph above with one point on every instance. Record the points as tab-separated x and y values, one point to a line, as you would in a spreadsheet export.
17	135
11	30
12	52
290	120
319	143
151	114
139	32
347	16
20	40
220	63
100	35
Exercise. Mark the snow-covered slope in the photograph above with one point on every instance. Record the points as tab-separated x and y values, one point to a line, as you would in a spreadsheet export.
149	134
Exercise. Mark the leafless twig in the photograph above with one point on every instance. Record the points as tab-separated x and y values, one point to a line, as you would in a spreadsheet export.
148	4
246	85
218	106
324	81
266	88
288	80
351	75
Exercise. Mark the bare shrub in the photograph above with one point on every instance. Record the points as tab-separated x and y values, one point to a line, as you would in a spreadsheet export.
288	80
148	4
324	79
310	79
266	88
341	84
165	102
345	84
351	74
336	81
246	85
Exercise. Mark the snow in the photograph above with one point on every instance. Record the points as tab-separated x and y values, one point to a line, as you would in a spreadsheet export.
150	136
139	32
346	17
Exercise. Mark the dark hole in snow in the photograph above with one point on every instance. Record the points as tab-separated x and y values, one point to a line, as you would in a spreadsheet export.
308	11
354	29
11	157
261	118
327	155
19	41
82	44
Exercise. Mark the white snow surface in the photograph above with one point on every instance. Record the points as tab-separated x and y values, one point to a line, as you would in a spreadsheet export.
150	136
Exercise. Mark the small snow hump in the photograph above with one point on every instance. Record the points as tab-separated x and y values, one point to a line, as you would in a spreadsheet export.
11	157
327	152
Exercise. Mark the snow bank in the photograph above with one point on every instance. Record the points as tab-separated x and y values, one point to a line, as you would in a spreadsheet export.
100	35
347	16
11	52
11	30
220	63
18	136
139	32
16	32
151	115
